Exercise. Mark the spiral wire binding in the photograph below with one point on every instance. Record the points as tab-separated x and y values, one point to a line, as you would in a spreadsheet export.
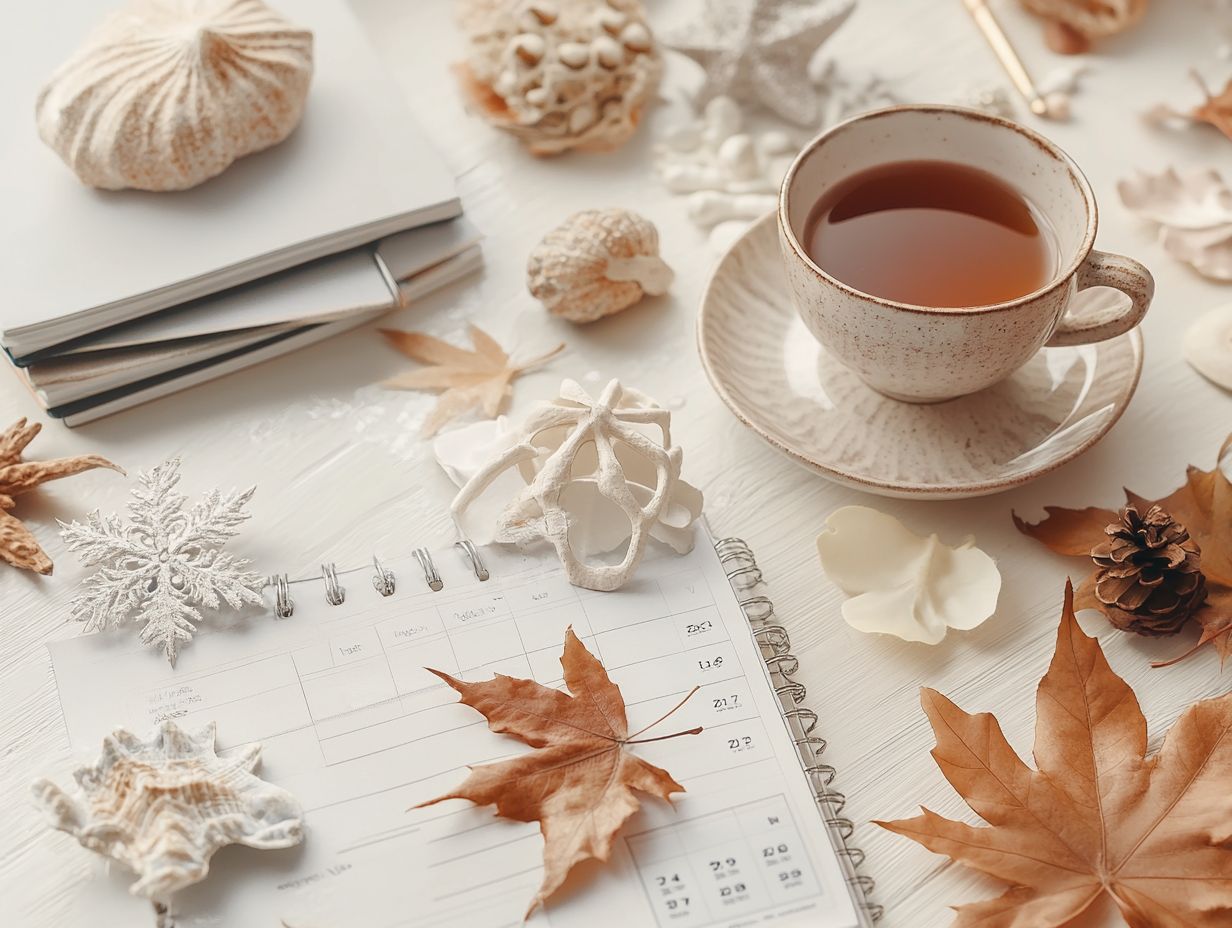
382	579
741	568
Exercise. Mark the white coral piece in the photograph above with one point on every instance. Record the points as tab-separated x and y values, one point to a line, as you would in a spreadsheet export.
165	94
560	74
163	806
596	263
165	562
1193	212
902	584
576	460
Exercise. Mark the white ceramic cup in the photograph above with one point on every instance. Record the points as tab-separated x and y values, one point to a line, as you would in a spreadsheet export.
925	354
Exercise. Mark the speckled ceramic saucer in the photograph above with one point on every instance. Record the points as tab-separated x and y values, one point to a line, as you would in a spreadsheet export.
779	381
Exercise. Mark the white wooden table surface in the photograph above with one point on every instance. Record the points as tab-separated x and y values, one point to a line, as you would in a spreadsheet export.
340	468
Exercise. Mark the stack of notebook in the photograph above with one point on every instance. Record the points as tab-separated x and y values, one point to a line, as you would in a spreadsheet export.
114	298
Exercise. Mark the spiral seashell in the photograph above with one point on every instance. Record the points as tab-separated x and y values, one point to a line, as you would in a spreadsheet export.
165	94
163	806
597	262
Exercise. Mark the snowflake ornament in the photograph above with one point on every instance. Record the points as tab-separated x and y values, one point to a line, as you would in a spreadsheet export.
163	564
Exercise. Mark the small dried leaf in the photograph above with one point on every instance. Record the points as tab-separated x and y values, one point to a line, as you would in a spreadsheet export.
581	782
17	545
1203	504
478	379
1216	109
1097	817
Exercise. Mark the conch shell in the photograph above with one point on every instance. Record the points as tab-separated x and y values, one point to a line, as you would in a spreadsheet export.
1072	24
559	74
162	807
586	476
597	262
165	94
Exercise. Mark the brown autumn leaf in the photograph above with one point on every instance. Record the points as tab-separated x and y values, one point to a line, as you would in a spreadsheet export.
1098	816
1203	504
17	545
580	782
478	379
1216	109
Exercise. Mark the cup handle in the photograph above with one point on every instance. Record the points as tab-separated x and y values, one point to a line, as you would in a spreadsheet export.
1101	269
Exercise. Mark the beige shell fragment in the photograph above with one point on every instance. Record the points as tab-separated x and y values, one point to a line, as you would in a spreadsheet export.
1193	211
588	476
165	94
597	262
559	74
163	806
902	584
1092	19
1208	346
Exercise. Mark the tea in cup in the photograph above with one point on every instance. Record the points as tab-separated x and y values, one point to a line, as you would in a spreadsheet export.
934	250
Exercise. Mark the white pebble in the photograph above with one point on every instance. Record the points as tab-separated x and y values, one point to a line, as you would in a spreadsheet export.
723	118
687	178
709	207
738	157
774	142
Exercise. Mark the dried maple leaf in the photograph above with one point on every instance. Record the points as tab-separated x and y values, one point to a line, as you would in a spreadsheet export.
579	784
1216	109
1097	816
468	379
1203	505
17	546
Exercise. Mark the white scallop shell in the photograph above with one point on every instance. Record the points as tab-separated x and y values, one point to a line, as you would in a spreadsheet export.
560	74
586	476
165	94
597	262
162	807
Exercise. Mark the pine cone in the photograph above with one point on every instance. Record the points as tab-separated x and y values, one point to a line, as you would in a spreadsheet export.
1149	575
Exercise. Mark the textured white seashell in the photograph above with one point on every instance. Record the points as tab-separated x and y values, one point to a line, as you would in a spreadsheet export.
1208	346
165	94
162	807
583	85
902	584
597	262
588	478
1193	212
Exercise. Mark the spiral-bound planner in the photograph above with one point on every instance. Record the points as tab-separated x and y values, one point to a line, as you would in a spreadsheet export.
332	683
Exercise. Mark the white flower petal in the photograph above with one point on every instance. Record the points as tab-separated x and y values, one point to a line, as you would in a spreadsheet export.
903	584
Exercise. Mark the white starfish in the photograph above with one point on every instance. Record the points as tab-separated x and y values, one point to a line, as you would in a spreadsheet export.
758	51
